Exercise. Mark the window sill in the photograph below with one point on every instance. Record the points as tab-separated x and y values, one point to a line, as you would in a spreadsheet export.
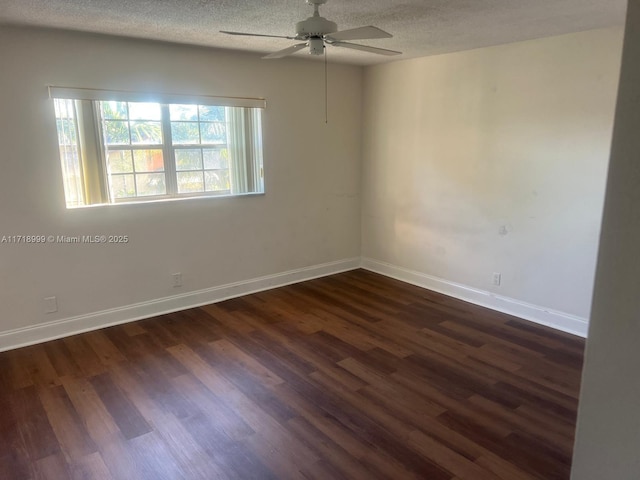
165	200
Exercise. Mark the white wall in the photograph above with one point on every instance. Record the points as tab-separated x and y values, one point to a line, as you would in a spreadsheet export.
608	432
515	136
309	215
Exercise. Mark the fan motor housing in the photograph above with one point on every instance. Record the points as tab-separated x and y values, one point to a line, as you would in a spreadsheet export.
316	27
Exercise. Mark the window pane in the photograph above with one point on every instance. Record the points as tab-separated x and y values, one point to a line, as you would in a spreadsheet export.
122	186
188	159
150	184
114	110
116	132
190	182
120	161
64	108
215	158
66	131
146	133
216	180
144	111
73	180
148	160
213	132
183	112
210	113
69	157
185	133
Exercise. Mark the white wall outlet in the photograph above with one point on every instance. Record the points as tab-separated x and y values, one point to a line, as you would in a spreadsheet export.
177	279
50	305
497	279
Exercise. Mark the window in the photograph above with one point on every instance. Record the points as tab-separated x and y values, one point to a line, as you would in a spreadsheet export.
120	147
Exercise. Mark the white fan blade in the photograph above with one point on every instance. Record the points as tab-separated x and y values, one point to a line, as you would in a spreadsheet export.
365	48
286	51
256	35
361	33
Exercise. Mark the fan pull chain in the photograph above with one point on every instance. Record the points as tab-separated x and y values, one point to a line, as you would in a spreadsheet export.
326	90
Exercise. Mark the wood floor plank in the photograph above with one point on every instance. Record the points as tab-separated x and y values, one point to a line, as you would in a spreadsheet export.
501	468
18	368
351	376
515	422
90	467
361	448
154	374
61	358
106	351
225	418
448	459
259	372
40	368
153	459
53	467
14	459
387	432
367	338
194	461
67	425
232	457
124	413
33	424
102	428
84	356
327	449
252	413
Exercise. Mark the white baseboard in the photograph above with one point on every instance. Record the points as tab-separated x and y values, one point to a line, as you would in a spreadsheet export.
534	313
43	332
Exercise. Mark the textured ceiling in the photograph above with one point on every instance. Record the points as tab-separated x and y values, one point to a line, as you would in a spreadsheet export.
420	27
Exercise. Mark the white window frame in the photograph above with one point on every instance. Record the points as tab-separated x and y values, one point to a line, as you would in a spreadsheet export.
250	152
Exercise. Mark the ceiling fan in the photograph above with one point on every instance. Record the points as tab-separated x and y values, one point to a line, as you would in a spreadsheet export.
315	32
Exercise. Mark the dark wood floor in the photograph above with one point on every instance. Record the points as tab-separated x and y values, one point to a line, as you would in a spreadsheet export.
352	376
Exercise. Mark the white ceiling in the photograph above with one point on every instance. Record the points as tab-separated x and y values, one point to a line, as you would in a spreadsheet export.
420	27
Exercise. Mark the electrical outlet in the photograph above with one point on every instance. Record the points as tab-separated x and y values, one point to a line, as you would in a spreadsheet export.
497	279
50	305
177	279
